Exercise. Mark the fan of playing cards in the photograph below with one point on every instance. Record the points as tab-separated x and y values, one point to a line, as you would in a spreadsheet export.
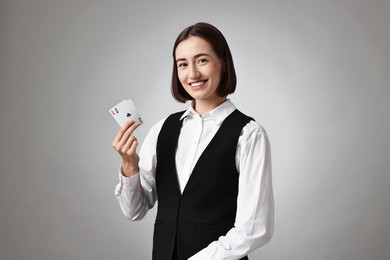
124	112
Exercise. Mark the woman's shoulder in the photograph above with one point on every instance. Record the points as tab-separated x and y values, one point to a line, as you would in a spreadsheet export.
253	129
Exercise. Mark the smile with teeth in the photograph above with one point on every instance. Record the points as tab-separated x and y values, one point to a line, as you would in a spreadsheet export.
198	83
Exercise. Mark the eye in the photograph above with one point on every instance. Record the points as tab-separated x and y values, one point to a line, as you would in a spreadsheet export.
202	61
182	65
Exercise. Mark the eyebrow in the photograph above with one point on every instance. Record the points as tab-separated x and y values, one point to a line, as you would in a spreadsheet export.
196	56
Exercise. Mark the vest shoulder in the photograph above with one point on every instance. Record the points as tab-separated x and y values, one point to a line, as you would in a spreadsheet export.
242	115
252	126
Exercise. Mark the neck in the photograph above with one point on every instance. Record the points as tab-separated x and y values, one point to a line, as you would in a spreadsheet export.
204	106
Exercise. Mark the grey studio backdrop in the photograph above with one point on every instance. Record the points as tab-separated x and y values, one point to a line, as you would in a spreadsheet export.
315	74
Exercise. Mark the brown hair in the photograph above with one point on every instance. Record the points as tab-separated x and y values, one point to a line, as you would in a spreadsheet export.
218	42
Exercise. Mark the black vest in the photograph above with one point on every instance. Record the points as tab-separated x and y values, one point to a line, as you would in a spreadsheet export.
188	222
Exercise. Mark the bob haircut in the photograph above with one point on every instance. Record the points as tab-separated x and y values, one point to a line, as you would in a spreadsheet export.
218	43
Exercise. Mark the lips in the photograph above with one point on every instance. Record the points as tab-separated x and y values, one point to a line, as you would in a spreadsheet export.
197	84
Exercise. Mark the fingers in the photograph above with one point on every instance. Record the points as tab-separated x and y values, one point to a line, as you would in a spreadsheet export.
129	133
128	144
130	125
130	160
133	148
124	134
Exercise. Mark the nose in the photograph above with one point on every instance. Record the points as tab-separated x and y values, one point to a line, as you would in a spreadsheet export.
194	72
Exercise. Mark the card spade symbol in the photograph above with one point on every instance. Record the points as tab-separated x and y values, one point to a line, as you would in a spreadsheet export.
128	115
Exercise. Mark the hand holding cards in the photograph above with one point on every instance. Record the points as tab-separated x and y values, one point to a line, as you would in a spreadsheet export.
125	111
125	143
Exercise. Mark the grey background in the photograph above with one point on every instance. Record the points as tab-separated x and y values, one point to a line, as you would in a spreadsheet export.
315	74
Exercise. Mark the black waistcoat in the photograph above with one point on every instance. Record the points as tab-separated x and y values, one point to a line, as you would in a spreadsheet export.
207	207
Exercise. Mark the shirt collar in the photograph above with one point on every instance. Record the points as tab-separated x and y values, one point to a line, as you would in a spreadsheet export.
218	114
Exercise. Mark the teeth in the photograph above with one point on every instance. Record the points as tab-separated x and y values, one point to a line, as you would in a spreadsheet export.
197	84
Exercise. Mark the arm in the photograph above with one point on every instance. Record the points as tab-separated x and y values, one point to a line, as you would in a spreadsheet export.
255	205
136	192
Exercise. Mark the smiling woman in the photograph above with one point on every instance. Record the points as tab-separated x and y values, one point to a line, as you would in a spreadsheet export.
209	166
199	72
212	39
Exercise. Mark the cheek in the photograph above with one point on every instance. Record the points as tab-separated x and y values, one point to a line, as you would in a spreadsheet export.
181	77
218	74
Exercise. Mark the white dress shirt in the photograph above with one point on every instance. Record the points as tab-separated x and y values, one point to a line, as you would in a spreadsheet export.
254	221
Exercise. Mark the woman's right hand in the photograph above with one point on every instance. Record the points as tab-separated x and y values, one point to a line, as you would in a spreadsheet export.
126	145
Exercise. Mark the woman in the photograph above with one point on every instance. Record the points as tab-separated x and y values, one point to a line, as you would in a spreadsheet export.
209	166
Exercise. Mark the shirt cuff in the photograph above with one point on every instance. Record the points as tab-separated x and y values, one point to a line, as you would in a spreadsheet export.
127	183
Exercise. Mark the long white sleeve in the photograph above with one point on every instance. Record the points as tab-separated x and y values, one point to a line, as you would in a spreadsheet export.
137	194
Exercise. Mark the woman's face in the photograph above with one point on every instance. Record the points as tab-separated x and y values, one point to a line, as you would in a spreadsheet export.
199	68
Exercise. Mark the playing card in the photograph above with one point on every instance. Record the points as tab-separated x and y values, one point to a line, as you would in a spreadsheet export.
125	111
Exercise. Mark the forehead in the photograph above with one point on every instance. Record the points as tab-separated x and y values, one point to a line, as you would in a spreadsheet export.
193	46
